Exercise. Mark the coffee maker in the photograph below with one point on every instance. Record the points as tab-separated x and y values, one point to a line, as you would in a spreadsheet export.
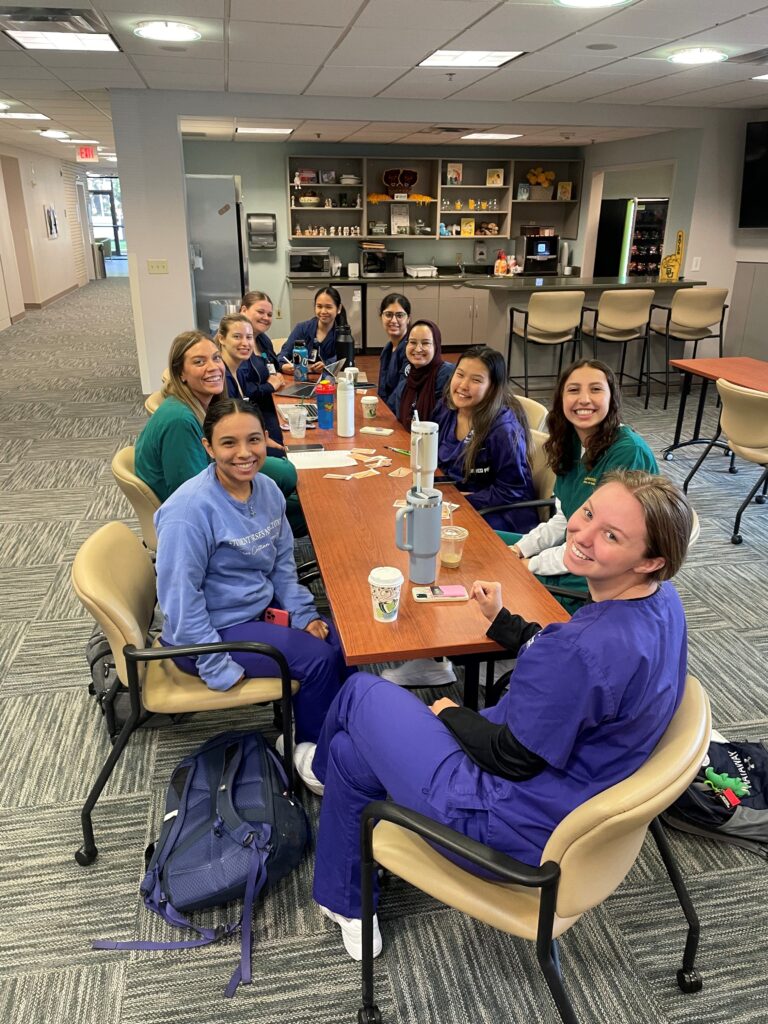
538	254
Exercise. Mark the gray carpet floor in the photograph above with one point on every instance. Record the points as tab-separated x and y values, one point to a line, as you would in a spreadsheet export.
69	399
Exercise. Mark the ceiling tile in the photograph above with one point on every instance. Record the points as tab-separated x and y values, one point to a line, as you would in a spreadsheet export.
432	83
295	12
173	10
55	59
340	127
388	47
582	88
748	33
294	44
457	14
677	19
720	94
507	84
126	78
624	45
374	138
167	63
258	76
363	81
184	81
525	27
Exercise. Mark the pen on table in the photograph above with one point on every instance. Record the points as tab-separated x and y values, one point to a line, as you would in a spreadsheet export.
400	451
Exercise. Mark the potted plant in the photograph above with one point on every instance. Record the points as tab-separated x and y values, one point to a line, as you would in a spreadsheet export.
541	182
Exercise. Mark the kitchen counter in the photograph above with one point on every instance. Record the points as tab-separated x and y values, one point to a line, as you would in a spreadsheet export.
525	284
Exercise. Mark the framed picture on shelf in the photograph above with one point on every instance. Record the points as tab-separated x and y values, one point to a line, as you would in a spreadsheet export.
564	190
494	176
454	174
327	177
467	226
399	219
523	190
307	176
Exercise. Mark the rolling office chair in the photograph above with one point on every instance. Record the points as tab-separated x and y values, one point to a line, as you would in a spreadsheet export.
744	421
153	402
693	315
550	318
535	412
585	860
114	578
619	318
143	499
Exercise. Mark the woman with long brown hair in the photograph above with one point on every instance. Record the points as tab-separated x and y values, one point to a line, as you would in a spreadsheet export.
484	439
586	440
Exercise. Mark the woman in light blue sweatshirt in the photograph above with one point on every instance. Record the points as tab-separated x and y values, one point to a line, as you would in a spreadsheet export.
225	555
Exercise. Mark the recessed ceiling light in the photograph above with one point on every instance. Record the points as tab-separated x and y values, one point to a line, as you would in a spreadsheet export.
497	136
469	58
64	40
591	3
760	78
81	142
54	133
263	131
167	31
27	117
698	55
5	106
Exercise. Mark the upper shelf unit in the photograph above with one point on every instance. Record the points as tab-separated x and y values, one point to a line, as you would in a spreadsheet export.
440	199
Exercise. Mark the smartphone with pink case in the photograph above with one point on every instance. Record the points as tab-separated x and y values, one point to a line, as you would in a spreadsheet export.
435	593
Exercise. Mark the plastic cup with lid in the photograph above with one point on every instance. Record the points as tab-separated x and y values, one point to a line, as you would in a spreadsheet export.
385	582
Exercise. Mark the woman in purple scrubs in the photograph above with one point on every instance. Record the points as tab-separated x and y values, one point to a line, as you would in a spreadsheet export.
588	701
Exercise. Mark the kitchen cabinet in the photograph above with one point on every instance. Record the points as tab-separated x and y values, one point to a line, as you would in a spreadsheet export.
303	305
424	299
463	315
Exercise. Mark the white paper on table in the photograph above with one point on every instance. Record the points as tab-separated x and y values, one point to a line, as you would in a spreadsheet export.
320	460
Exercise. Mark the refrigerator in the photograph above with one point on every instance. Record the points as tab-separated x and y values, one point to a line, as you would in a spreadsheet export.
217	246
630	237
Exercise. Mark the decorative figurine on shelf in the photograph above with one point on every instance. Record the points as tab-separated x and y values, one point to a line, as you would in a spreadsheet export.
297	178
297	230
458	204
358	202
293	201
328	203
333	229
472	204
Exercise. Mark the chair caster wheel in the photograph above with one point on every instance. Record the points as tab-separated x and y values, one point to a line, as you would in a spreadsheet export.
85	857
736	538
732	469
689	981
760	499
368	1015
669	457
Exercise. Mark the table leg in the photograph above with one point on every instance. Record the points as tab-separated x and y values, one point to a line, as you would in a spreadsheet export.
684	392
700	409
697	438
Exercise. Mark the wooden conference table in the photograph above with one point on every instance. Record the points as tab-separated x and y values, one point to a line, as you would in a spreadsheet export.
741	370
352	527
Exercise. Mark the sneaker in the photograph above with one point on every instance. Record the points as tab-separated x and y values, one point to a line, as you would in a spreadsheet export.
280	744
303	756
422	672
352	933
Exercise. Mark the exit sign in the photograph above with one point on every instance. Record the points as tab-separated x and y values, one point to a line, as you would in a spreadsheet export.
86	155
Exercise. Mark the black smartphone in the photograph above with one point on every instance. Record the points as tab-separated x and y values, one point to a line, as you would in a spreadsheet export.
306	448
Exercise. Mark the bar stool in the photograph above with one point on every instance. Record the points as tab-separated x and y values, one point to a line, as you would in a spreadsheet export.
550	318
693	315
622	316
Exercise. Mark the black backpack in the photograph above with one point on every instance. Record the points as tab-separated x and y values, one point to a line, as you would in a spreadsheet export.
728	799
231	826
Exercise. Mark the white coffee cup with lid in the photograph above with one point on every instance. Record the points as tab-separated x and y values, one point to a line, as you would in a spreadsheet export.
385	582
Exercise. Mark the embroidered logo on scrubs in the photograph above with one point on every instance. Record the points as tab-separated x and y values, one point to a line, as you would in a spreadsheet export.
590	481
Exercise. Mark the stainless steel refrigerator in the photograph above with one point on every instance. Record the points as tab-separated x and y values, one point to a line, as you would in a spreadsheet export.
217	244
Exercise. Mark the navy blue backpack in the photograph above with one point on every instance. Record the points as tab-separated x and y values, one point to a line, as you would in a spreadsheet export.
231	826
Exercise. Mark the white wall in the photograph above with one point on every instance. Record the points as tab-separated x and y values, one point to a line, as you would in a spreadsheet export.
651	181
12	297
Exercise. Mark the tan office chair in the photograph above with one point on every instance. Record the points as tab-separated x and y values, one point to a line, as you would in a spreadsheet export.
744	421
586	858
693	315
165	376
543	482
535	412
153	402
550	318
143	499
114	578
622	316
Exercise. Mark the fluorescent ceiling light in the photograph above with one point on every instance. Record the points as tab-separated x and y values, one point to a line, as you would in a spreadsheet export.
591	3
54	133
5	106
469	58
27	117
760	78
64	40
498	136
167	31
263	131
81	142
698	55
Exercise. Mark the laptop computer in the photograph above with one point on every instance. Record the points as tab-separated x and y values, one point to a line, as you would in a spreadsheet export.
307	390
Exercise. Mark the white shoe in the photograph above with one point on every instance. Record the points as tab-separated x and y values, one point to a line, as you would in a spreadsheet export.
422	672
303	756
280	743
352	933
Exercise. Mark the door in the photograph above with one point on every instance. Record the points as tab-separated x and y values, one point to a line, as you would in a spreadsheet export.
610	235
457	313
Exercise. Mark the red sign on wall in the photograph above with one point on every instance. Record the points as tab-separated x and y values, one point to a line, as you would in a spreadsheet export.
86	155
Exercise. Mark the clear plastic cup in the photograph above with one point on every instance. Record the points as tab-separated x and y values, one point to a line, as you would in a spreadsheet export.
452	546
297	420
385	582
370	404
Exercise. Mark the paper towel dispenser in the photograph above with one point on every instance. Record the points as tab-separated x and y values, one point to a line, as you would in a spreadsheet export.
262	230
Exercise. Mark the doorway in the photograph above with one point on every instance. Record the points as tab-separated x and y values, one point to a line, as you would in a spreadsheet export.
105	213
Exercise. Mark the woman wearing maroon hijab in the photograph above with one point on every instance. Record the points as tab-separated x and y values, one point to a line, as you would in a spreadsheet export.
425	374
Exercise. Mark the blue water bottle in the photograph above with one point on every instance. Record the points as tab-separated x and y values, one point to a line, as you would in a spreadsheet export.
300	362
324	394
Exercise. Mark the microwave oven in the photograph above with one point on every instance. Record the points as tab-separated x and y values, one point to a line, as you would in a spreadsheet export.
381	263
309	262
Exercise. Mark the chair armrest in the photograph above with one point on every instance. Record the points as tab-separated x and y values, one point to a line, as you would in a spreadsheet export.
134	654
577	595
309	576
507	868
533	503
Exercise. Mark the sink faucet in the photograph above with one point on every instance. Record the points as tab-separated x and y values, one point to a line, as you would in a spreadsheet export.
460	262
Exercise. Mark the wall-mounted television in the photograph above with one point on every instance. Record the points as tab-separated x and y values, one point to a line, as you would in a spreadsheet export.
753	212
